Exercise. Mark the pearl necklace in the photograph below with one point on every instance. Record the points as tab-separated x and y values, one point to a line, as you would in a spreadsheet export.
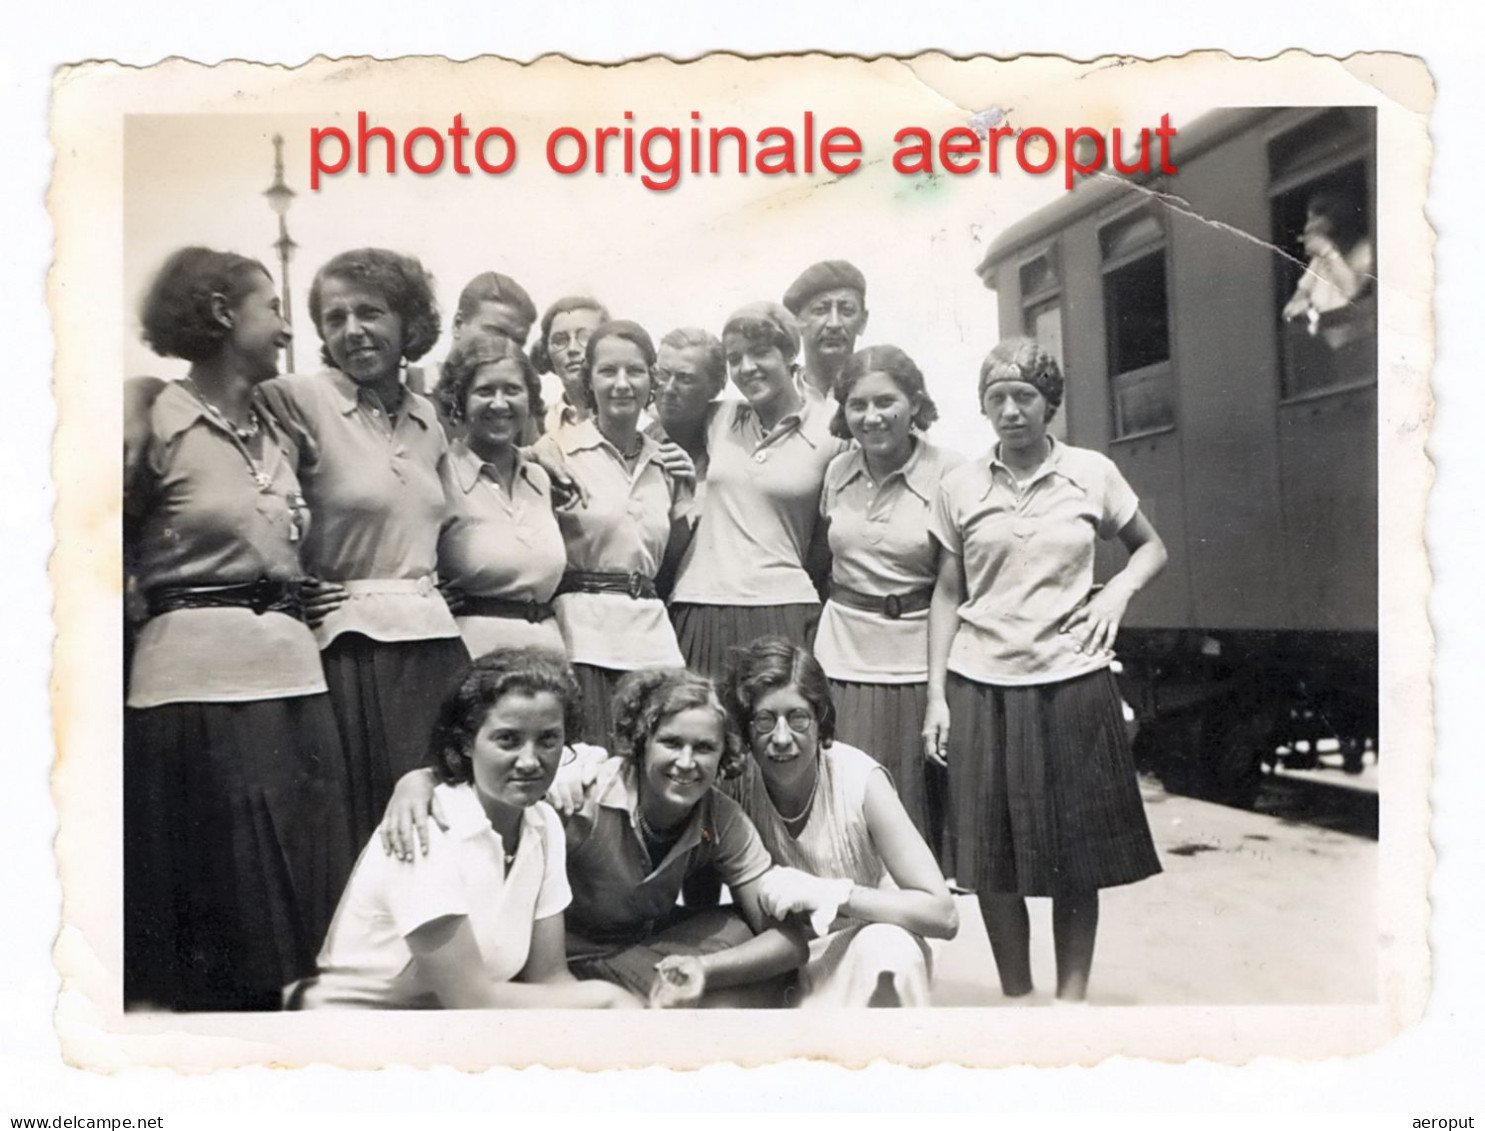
244	433
801	818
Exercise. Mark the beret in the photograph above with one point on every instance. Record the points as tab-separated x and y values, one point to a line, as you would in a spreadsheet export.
824	276
784	325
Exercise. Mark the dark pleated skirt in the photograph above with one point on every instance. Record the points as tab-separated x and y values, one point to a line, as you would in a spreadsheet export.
598	703
707	633
886	721
236	848
1042	788
386	698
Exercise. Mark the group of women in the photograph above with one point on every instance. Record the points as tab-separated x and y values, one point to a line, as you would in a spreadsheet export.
591	646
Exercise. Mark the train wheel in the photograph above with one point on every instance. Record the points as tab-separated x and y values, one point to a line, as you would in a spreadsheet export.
1239	736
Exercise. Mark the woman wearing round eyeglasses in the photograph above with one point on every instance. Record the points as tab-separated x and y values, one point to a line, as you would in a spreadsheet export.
851	860
565	329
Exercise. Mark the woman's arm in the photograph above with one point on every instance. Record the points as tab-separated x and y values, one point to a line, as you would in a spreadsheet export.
449	961
1097	621
943	623
922	904
818	561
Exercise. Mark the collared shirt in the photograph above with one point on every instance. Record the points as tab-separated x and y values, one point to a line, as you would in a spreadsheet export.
623	529
618	894
213	515
762	503
560	415
366	960
694	501
373	483
1027	550
499	544
880	545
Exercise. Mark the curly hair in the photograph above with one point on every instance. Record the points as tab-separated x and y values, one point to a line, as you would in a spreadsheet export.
645	698
492	286
505	671
176	314
631	332
541	356
1023	359
895	364
464	362
714	360
766	322
768	664
400	279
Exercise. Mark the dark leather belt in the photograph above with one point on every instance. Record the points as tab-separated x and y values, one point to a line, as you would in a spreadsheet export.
893	606
262	596
634	585
530	611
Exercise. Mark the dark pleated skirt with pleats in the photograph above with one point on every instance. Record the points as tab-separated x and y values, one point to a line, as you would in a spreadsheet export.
598	686
708	633
236	847
1042	788
886	721
386	698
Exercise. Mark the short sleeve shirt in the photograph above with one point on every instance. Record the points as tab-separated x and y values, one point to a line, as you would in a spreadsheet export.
619	895
366	960
213	514
623	529
373	482
1027	550
762	503
879	546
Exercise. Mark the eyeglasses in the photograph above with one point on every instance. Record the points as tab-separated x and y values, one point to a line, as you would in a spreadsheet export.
799	720
559	340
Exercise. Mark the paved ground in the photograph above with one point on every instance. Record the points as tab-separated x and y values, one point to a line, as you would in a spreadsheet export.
1265	907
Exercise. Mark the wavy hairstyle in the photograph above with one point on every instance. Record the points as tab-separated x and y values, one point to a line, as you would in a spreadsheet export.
645	698
904	374
464	362
1023	359
176	314
772	662
505	671
400	279
627	331
714	360
541	356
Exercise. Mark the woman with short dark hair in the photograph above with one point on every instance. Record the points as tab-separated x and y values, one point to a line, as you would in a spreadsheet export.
235	838
560	349
370	456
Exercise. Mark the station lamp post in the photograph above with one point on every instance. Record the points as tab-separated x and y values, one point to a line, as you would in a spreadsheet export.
280	196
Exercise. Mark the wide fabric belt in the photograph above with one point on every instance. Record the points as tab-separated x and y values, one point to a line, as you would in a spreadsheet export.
532	611
634	585
893	606
261	596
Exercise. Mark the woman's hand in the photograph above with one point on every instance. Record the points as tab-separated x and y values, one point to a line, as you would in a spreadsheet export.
1096	621
936	730
673	459
681	982
406	819
320	599
453	596
575	778
787	891
567	492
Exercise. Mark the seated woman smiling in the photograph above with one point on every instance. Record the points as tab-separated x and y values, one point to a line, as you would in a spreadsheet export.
477	922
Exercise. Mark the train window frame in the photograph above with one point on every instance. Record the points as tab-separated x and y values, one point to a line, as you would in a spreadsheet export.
1147	248
1345	140
1050	296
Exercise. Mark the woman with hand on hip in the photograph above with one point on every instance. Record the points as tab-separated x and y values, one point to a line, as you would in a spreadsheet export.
370	457
873	636
500	553
235	838
1021	702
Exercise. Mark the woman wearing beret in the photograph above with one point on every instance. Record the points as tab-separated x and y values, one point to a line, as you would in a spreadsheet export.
235	838
1021	702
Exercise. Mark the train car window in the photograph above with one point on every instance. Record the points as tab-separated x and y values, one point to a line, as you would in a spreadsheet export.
1322	205
1137	318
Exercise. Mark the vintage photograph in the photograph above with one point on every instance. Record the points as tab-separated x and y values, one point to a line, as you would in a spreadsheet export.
672	538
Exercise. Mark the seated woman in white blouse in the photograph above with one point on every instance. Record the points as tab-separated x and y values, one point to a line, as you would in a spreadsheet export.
477	924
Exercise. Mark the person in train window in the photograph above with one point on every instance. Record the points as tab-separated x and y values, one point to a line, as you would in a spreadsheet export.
370	456
1021	702
235	837
561	350
1342	262
608	608
500	552
829	299
873	635
749	572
